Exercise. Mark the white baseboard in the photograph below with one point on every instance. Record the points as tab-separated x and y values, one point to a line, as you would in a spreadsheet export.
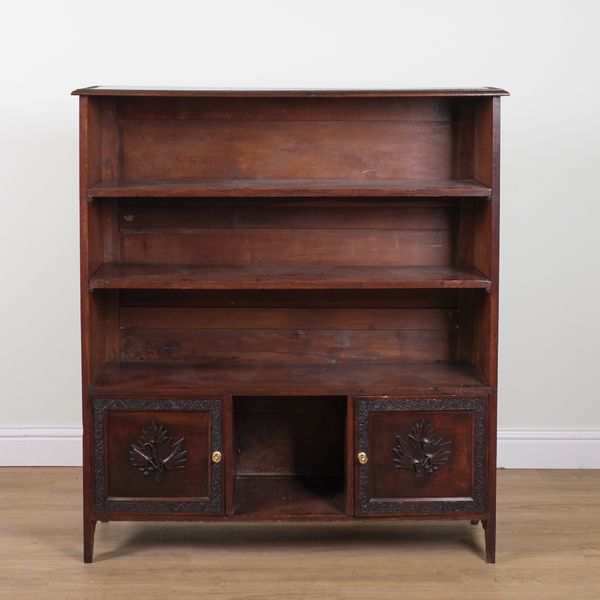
40	446
549	448
517	448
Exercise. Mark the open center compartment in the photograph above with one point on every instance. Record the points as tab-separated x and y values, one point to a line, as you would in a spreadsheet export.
289	455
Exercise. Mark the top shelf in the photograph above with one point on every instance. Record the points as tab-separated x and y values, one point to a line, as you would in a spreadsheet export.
119	188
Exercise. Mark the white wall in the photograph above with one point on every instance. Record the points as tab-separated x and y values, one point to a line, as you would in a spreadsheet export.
545	53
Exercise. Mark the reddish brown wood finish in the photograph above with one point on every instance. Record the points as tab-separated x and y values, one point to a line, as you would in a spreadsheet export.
282	150
290	455
297	299
421	455
455	481
125	91
314	498
229	457
124	429
281	188
138	216
130	379
282	277
287	255
89	260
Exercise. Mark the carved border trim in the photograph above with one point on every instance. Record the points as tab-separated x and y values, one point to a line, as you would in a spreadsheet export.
212	505
368	405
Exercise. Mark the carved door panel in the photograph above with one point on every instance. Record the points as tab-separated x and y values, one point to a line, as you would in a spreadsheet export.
420	455
158	456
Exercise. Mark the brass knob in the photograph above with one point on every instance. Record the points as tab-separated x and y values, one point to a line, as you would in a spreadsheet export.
216	456
363	459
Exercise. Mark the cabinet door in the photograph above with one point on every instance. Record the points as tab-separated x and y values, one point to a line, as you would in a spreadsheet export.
420	455
158	456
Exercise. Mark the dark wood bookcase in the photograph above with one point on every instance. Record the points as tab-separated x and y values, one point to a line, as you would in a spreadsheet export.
289	304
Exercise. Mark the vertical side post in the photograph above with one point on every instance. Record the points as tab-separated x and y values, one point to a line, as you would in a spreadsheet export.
92	348
490	523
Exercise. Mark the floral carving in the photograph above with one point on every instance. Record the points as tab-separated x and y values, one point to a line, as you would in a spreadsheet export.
155	452
423	451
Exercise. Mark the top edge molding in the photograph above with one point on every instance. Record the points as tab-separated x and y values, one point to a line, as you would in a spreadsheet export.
104	90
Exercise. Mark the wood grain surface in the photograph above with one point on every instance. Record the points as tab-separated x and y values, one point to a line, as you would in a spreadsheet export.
108	90
122	188
548	548
206	218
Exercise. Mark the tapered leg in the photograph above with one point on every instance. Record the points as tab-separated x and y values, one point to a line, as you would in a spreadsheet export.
489	526
89	527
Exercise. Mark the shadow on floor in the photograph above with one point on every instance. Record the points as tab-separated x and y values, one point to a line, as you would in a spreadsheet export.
280	536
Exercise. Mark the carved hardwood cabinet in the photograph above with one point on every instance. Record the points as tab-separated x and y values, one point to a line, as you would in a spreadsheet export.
289	304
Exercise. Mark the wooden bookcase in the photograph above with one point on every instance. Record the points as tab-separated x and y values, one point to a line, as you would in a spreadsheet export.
289	304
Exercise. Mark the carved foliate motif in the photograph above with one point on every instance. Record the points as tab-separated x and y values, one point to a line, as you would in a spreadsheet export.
422	451
155	452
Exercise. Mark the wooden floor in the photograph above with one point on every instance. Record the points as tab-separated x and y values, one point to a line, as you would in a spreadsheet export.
548	547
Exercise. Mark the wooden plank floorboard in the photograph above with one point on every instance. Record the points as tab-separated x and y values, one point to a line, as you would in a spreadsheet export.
548	547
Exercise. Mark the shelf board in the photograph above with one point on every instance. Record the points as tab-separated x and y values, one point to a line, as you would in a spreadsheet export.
280	277
129	379
264	496
119	188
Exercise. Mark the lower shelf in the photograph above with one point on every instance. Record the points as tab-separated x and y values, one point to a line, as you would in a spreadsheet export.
272	497
143	378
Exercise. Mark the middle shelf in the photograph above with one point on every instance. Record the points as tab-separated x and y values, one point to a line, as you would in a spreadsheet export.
265	277
172	379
